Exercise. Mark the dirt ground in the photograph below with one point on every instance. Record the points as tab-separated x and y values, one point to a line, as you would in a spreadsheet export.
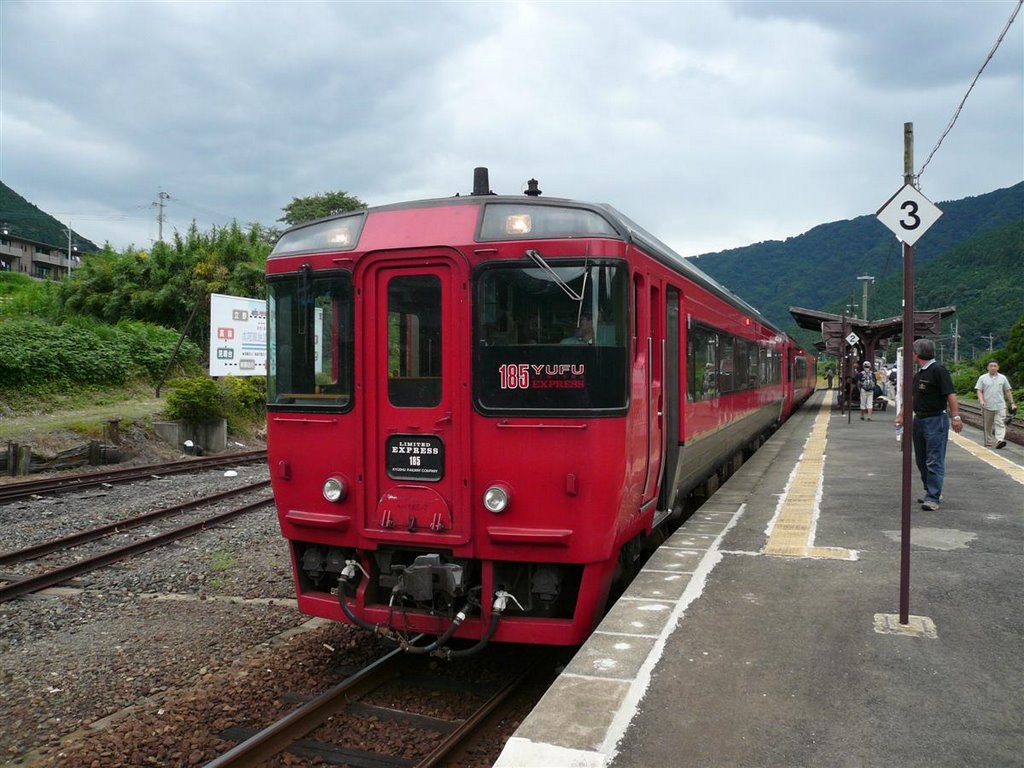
49	434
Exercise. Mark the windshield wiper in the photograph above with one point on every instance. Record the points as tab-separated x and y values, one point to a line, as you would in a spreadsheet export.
537	259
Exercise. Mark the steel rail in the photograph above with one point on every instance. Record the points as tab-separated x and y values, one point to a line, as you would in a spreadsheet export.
11	491
288	732
58	575
454	740
277	737
37	550
971	414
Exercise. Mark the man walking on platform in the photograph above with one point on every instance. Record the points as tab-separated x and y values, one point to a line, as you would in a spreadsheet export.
993	388
934	395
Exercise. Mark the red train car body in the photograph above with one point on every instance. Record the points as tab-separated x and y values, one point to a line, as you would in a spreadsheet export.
480	407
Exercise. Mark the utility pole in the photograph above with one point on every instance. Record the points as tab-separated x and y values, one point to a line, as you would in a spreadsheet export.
67	231
866	279
991	340
159	204
956	340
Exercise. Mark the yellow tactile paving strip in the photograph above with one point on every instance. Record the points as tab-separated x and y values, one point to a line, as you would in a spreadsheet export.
989	456
792	534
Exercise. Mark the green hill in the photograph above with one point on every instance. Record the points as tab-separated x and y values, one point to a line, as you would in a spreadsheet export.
972	258
28	222
983	278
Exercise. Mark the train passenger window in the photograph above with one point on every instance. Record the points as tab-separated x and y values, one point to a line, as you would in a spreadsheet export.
548	340
414	341
702	359
310	346
752	379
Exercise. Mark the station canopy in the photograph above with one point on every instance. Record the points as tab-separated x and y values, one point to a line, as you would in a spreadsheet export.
873	334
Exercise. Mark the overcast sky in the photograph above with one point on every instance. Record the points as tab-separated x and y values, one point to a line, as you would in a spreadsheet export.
711	124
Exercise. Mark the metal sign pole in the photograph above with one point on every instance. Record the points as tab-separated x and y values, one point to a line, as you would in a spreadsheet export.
907	384
909	214
907	396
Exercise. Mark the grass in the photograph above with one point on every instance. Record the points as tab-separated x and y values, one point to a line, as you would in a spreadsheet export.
83	410
222	561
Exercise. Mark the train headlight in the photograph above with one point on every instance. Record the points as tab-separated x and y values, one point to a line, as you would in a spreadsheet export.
496	498
518	224
335	489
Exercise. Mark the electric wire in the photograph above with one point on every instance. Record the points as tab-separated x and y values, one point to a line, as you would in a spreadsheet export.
973	82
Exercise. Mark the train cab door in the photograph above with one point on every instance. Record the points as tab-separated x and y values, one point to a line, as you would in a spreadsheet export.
415	387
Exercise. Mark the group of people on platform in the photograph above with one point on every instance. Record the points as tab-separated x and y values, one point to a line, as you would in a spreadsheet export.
936	410
866	388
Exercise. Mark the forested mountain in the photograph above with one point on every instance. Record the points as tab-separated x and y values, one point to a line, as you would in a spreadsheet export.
971	258
983	279
24	220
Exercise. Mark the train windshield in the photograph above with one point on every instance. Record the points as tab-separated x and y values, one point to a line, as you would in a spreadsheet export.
310	354
551	337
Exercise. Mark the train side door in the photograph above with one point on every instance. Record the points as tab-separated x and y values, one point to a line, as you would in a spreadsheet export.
415	384
656	352
672	428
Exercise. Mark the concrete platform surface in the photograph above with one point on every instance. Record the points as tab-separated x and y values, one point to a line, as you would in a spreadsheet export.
766	632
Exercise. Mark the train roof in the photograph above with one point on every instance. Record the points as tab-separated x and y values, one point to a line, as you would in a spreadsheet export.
626	228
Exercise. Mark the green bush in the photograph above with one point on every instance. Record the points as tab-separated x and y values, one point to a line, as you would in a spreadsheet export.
246	393
196	399
34	353
247	401
240	400
21	296
964	379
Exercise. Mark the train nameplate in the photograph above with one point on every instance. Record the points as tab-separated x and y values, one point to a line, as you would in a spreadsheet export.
415	457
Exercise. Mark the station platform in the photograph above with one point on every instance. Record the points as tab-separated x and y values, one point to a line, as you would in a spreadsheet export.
765	632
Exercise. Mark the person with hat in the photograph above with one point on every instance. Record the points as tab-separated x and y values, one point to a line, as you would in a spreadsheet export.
866	383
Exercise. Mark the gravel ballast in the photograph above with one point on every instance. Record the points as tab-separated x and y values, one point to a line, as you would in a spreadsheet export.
177	633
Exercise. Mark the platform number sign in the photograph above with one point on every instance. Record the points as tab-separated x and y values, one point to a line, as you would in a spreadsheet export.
909	214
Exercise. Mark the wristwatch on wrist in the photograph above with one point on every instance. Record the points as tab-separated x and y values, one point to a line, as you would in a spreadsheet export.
957	418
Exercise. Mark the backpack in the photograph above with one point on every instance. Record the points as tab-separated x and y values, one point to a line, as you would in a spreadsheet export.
867	381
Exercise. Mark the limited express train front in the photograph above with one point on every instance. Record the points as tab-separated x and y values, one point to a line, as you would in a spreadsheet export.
443	461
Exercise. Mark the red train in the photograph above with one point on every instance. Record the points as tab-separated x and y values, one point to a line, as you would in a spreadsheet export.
481	407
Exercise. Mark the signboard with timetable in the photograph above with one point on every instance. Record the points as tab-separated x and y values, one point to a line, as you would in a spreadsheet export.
238	336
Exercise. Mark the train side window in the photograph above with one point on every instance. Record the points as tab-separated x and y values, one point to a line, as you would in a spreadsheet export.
726	364
414	341
702	359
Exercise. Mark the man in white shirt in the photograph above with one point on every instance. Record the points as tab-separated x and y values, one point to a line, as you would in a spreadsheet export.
993	388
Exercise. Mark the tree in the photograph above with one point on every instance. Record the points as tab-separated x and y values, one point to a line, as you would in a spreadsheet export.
163	285
303	209
1011	361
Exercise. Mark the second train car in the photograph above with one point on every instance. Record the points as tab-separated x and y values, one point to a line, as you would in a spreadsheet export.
481	407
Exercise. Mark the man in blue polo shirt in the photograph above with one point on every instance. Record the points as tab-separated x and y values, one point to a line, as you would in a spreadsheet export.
934	405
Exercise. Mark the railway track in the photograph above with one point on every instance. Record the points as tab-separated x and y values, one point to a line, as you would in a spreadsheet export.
971	414
16	587
27	488
350	698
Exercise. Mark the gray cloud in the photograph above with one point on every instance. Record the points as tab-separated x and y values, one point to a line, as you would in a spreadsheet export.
712	124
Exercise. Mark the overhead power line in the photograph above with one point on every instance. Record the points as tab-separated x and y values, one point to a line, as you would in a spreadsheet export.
964	100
